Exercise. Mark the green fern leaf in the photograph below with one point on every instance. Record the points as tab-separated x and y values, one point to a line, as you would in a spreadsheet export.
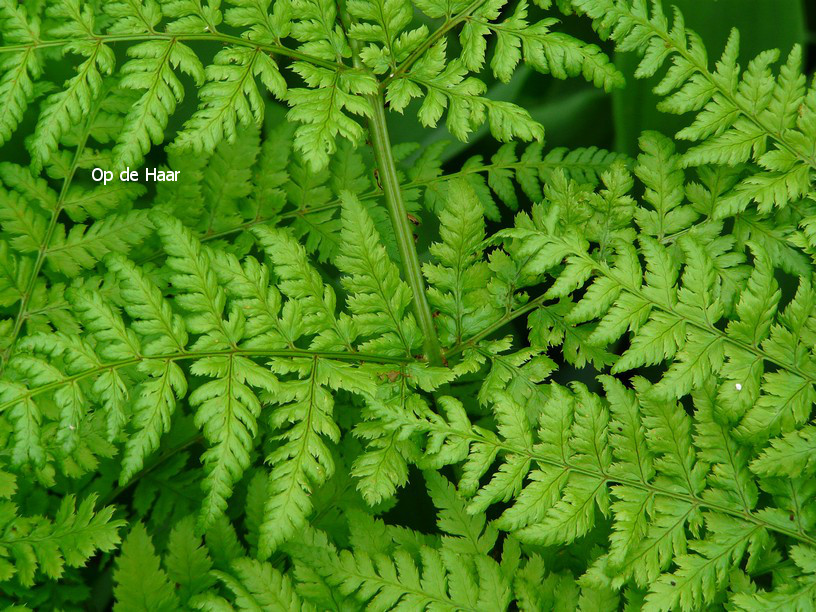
230	98
19	69
141	583
259	586
152	70
379	299
70	540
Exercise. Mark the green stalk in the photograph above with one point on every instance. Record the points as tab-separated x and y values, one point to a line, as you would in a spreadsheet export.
211	36
381	144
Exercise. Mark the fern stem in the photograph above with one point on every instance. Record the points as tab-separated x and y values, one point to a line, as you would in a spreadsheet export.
497	325
43	251
372	194
381	144
183	355
223	38
163	458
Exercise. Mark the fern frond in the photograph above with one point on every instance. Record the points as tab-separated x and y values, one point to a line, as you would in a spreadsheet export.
64	109
27	225
467	533
447	86
436	579
458	282
258	585
259	361
793	595
754	116
226	181
193	16
140	580
151	69
323	108
379	299
133	16
227	407
230	98
37	543
19	69
299	281
83	246
676	319
384	25
791	455
659	170
658	482
303	461
265	26
558	54
187	561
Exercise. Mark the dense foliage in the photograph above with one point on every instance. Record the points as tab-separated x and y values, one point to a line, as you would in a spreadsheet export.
328	369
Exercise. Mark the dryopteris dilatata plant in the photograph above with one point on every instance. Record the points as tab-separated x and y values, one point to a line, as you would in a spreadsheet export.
241	378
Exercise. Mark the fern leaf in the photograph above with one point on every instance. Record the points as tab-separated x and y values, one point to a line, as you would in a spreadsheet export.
19	69
698	577
153	411
384	23
133	16
70	540
300	281
141	583
467	533
790	455
227	407
264	27
737	114
83	246
25	223
558	54
459	279
448	86
379	299
162	332
65	109
798	594
384	583
192	16
152	70
230	98
187	561
303	460
659	169
257	585
27	418
322	109
227	180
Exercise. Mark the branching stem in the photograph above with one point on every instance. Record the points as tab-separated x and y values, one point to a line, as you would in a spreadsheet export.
497	325
212	36
22	313
376	192
185	355
429	42
160	460
402	229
